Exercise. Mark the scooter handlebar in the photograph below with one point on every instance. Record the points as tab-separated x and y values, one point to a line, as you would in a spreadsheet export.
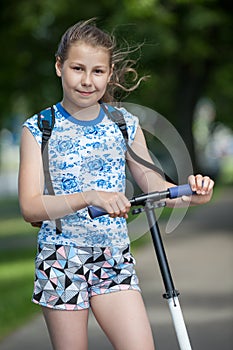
172	192
179	191
95	212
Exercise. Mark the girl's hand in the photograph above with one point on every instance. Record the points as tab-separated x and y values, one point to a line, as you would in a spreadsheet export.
115	203
203	186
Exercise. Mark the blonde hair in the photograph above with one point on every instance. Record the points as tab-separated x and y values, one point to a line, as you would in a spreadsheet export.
125	77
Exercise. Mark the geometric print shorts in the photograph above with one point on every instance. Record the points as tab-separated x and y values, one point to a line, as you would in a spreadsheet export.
67	277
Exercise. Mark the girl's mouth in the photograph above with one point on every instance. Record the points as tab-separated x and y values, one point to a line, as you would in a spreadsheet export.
86	93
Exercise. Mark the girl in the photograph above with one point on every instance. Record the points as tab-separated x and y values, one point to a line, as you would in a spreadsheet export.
89	264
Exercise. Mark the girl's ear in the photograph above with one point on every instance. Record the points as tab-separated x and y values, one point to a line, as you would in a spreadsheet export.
58	66
111	73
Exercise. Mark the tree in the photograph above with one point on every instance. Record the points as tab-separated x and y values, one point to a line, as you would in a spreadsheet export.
187	52
30	32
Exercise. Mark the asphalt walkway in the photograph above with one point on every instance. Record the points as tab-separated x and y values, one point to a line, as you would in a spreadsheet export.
200	254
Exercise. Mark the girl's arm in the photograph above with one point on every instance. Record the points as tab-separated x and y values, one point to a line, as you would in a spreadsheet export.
149	181
36	207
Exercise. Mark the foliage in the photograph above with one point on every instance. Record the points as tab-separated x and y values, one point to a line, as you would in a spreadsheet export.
187	52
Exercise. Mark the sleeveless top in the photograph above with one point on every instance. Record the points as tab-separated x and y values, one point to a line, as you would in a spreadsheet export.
83	156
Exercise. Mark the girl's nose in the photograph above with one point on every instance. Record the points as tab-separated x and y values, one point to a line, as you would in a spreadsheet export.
86	79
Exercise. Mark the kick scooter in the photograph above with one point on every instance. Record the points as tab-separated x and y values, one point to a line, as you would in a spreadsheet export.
149	202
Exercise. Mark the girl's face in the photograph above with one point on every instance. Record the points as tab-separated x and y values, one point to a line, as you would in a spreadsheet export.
85	75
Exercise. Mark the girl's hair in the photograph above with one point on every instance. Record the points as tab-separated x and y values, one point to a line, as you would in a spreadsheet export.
88	33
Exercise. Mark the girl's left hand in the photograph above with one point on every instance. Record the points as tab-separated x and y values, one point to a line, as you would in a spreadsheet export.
203	186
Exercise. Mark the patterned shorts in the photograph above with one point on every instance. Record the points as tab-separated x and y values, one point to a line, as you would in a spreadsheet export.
67	277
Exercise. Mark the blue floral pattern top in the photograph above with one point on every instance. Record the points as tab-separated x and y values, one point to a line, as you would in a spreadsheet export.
86	155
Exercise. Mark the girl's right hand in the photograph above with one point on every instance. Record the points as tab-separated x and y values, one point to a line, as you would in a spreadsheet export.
115	203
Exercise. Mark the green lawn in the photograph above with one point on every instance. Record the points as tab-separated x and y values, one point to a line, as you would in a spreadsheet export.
16	268
16	281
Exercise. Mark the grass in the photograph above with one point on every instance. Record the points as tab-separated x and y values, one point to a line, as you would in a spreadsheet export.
16	281
12	227
16	268
9	208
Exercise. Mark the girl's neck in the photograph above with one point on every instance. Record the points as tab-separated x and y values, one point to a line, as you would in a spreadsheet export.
88	113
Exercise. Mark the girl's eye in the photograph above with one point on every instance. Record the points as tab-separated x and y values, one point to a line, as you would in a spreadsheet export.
77	68
99	71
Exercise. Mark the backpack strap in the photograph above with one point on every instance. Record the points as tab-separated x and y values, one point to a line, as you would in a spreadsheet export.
117	117
46	121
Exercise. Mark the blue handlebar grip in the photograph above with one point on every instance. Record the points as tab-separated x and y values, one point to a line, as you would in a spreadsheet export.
95	212
179	191
174	192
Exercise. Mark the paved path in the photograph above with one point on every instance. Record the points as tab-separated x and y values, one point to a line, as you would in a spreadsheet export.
200	253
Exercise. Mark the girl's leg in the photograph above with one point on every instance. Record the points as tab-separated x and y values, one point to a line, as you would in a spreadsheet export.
67	329
123	318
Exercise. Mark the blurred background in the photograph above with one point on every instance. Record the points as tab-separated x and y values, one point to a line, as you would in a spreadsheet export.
187	52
